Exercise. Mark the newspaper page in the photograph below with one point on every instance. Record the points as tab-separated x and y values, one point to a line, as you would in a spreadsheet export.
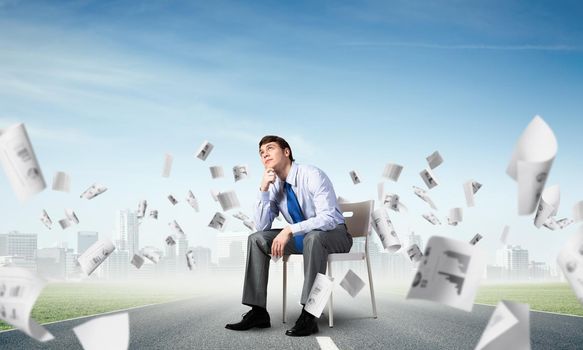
354	176
192	201
570	260
240	172
105	332
95	255
228	200
93	191
61	182
548	205
392	171
19	161
319	294
508	328
204	150
531	163
167	165
449	273
384	228
19	290
434	160
470	189
352	283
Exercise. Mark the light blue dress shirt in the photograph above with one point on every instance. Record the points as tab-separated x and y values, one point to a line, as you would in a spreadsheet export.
315	194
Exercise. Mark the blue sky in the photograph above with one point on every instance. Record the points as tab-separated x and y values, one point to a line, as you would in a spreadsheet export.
107	88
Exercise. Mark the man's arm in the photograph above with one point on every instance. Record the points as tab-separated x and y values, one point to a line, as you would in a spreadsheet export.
266	209
324	204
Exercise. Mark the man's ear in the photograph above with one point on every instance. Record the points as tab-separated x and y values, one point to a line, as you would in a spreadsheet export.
286	152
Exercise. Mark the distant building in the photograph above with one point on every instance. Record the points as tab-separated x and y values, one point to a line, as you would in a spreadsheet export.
539	270
202	258
128	232
117	265
514	262
52	263
21	247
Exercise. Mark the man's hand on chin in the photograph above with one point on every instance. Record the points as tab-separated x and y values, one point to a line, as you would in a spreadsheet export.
280	241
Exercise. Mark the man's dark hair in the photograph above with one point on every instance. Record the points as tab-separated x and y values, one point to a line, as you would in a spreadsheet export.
280	141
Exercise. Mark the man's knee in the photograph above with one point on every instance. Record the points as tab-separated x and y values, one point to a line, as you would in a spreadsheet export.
313	238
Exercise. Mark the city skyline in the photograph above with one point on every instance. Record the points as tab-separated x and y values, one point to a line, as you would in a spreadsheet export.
107	89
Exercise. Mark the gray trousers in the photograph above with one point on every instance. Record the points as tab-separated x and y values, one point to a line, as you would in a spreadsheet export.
317	245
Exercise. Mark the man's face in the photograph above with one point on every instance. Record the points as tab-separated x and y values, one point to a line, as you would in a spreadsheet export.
273	156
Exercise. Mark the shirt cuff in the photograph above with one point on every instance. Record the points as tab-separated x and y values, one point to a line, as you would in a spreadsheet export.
263	196
296	229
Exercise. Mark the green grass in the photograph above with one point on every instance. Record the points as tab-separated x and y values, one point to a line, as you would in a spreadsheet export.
551	297
61	301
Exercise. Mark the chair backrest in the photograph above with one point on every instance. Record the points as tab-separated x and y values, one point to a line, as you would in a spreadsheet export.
357	217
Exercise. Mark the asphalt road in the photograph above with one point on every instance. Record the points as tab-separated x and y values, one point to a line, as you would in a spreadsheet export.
198	323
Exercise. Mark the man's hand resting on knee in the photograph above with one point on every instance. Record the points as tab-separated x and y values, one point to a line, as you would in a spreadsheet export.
280	241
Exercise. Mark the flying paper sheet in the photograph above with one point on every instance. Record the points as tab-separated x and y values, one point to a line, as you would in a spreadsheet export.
137	261
46	220
456	215
434	160
421	193
19	162
95	255
228	200
449	273
548	205
171	240
176	228
354	176
531	163
61	182
392	171
384	228
504	235
470	189
508	328
218	222
428	178
352	283
578	211
476	239
414	253
19	289
240	172
167	165
142	209
431	218
393	202
190	259
105	332
172	199
154	214
570	260
319	294
204	150
151	253
191	199
216	171
93	191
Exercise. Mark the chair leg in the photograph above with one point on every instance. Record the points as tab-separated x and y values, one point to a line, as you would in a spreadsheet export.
331	300
284	303
372	296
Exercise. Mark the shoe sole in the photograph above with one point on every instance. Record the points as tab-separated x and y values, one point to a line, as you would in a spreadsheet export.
261	325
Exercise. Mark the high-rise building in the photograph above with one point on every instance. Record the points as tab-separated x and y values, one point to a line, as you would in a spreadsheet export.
514	261
227	250
21	247
202	258
116	266
128	232
182	248
52	263
85	239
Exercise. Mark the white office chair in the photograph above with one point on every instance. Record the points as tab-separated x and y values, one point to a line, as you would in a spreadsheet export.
358	225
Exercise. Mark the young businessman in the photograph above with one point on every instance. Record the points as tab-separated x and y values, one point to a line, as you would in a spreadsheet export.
306	198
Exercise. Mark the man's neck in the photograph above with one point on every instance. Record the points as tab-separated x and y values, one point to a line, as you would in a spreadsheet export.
282	173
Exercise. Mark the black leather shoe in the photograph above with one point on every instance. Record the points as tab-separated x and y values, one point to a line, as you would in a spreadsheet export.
252	319
304	326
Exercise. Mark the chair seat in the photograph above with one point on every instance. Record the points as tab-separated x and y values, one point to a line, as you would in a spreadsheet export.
346	256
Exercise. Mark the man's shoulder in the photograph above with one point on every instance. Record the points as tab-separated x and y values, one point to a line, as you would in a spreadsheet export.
309	169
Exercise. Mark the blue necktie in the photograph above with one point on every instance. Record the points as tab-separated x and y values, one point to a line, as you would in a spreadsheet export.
294	210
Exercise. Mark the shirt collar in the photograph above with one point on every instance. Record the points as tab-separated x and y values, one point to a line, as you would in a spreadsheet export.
292	175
